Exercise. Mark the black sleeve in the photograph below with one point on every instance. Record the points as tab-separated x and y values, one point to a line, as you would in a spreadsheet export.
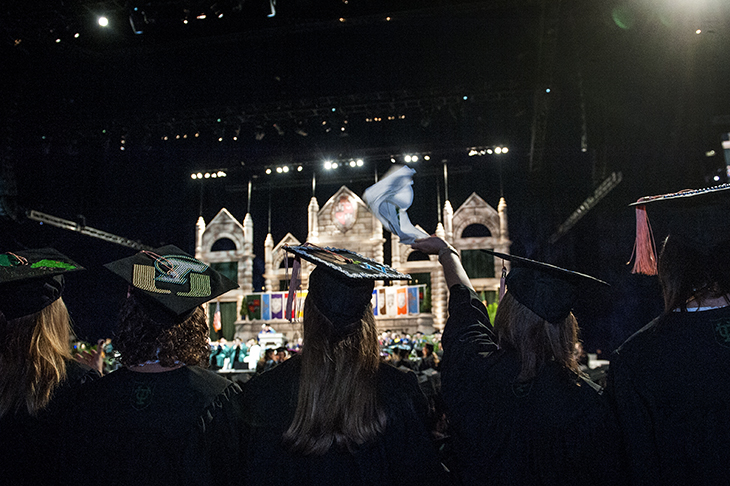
468	335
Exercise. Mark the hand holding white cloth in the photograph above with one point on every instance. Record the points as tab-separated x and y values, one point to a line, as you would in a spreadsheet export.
389	199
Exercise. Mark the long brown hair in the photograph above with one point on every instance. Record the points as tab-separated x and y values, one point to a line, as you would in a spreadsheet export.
535	339
33	354
337	402
140	339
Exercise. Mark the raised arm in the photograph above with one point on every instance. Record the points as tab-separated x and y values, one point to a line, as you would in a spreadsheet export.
448	257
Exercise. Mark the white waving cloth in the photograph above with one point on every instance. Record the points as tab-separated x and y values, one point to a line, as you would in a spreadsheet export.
389	199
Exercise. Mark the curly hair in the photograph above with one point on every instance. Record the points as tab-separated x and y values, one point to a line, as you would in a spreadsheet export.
139	338
34	350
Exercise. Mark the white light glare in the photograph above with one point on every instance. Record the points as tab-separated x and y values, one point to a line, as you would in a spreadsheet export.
200	176
285	169
352	163
268	171
498	150
103	21
716	178
426	157
407	158
328	165
299	169
359	162
698	31
279	170
207	175
335	165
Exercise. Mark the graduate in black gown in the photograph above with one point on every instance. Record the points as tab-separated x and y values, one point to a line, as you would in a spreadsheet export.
520	410
336	413
162	418
670	381
38	378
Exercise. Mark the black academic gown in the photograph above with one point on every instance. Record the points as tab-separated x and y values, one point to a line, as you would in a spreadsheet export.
670	383
557	429
179	427
403	456
29	446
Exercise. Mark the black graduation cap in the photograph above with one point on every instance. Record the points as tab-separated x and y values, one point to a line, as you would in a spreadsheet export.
545	289
343	281
698	217
31	280
171	282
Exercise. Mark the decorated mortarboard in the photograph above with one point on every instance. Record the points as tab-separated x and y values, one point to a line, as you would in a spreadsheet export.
547	290
342	283
698	217
171	282
31	280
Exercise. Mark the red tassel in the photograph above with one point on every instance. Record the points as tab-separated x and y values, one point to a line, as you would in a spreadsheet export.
644	247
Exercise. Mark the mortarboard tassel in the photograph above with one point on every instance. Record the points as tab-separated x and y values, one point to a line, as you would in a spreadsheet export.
644	247
294	285
502	279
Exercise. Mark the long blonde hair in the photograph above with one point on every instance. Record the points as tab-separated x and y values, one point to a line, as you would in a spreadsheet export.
536	340
337	402
33	354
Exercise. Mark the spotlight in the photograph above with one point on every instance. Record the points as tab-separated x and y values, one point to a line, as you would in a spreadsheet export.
278	170
103	21
505	150
359	162
207	175
193	176
352	163
407	158
268	171
334	165
426	157
285	169
200	175
328	165
299	169
498	150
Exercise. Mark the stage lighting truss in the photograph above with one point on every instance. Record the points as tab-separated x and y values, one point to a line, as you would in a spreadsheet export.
490	150
209	174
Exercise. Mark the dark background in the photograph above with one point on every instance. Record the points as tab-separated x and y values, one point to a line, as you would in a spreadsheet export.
633	89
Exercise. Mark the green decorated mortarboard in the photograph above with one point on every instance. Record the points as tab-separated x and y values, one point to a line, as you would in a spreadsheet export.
341	285
172	283
31	280
547	290
697	217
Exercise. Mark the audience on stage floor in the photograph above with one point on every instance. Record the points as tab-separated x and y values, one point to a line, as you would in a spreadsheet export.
520	410
39	379
162	418
335	413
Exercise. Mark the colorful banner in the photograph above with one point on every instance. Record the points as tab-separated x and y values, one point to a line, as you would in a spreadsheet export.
391	306
253	305
382	303
265	307
402	301
413	300
278	301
